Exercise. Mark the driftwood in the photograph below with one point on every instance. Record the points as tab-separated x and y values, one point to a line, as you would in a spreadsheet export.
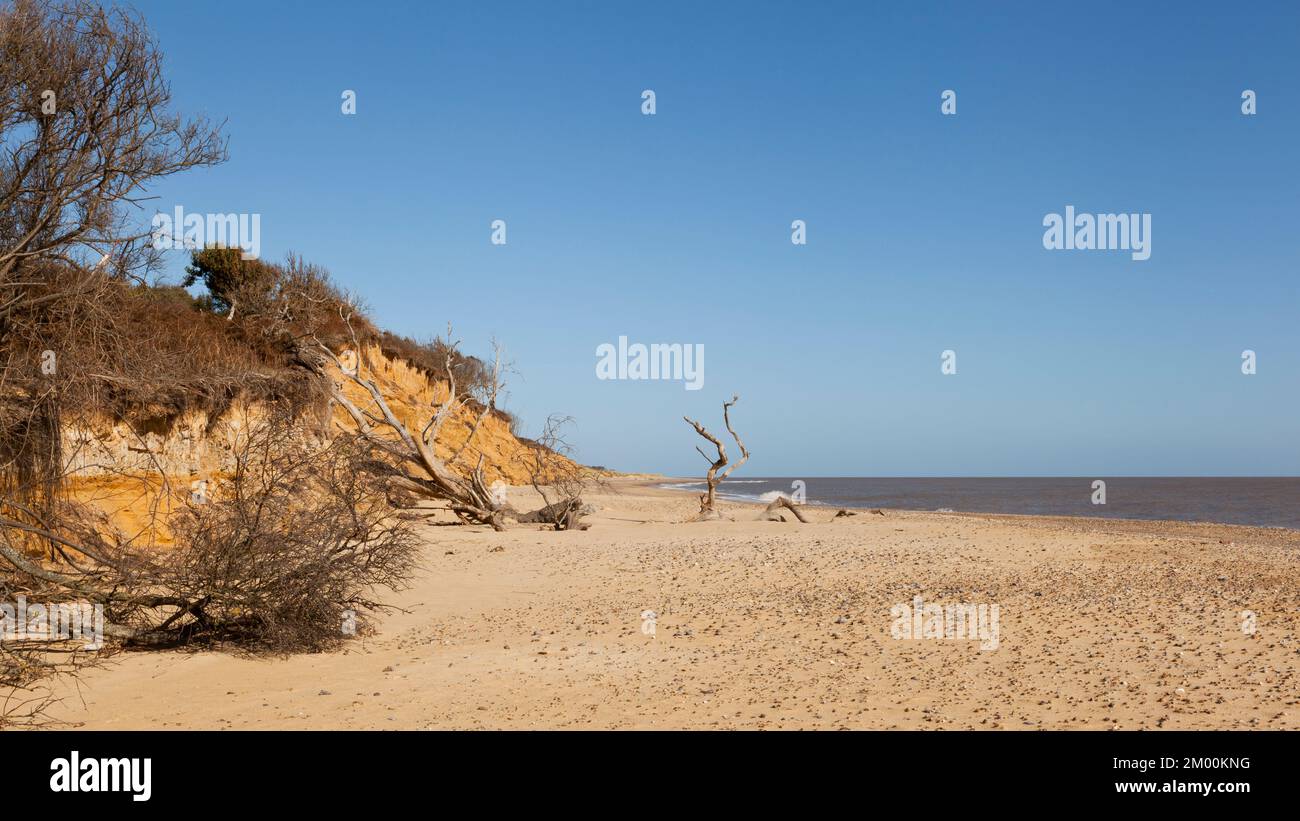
713	478
564	514
773	511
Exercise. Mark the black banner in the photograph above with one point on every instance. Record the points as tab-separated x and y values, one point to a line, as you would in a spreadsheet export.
140	772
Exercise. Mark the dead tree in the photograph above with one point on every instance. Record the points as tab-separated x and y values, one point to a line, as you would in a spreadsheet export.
411	461
713	478
294	540
558	479
86	128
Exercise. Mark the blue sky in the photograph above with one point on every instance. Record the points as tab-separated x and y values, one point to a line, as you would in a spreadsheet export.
924	231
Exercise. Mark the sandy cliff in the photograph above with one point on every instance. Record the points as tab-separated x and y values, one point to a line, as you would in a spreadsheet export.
130	467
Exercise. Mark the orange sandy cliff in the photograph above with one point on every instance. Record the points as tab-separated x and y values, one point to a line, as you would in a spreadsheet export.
135	469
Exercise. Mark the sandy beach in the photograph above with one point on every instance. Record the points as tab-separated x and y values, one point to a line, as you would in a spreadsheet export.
770	625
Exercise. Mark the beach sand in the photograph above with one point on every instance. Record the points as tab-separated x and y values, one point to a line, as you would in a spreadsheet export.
1102	624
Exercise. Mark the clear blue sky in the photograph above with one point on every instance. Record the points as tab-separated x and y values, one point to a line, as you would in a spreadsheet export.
924	231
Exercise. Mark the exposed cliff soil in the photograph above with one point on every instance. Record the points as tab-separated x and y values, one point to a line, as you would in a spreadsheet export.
139	467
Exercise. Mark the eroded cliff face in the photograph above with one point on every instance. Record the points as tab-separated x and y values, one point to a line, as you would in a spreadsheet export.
138	470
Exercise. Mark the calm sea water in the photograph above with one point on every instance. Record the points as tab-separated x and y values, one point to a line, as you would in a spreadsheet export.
1271	502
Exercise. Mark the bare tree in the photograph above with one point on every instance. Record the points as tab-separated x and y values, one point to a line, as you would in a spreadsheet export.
290	548
299	534
86	129
713	478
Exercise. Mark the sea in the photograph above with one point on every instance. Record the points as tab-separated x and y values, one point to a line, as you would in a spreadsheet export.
1242	500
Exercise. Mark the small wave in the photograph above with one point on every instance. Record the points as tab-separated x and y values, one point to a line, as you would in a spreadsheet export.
734	496
743	497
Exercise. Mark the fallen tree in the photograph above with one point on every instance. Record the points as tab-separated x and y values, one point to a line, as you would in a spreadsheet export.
413	464
407	455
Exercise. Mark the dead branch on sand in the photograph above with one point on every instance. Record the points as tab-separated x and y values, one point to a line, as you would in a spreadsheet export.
773	511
